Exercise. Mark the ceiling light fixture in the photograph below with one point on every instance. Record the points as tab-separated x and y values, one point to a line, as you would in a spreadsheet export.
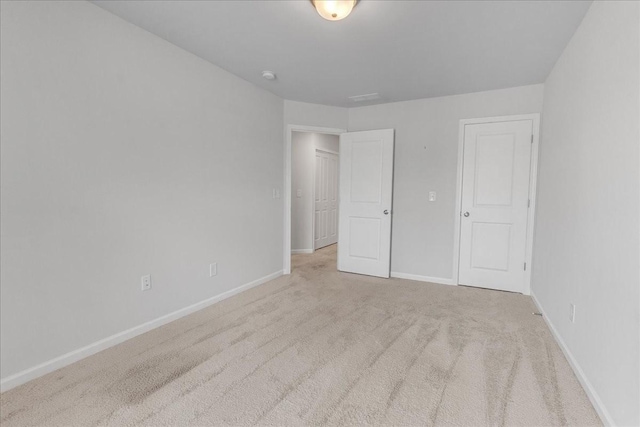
334	10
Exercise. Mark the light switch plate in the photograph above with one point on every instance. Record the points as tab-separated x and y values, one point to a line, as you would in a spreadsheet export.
213	269
432	196
572	313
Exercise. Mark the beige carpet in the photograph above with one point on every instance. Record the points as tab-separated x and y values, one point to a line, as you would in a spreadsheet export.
321	347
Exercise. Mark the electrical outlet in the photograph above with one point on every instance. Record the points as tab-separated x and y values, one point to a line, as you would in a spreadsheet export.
146	282
572	313
299	193
213	269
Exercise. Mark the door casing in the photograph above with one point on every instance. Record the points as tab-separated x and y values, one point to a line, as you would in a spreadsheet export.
535	118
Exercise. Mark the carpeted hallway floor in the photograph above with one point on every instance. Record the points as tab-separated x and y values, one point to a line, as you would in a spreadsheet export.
322	347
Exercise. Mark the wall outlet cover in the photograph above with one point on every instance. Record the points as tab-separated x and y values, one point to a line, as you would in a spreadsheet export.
146	282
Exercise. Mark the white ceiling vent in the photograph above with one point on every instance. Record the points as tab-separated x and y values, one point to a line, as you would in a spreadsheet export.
363	98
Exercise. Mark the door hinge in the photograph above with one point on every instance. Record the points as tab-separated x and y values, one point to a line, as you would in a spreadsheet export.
525	266
532	138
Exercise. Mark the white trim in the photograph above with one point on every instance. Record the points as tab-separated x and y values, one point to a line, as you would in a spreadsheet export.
337	153
535	128
286	261
456	222
301	251
75	355
416	277
602	411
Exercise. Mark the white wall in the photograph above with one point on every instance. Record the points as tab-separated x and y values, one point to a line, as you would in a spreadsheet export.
587	233
305	114
426	160
123	155
303	157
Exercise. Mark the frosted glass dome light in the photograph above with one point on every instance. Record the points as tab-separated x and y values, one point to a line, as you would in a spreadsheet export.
334	10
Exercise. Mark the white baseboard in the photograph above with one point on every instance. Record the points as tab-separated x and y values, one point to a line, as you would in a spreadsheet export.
301	251
605	417
438	280
75	355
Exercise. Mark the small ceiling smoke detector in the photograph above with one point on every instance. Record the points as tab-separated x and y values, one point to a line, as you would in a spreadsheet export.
269	75
366	97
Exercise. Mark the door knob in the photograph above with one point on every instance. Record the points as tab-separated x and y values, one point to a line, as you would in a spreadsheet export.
466	214
386	212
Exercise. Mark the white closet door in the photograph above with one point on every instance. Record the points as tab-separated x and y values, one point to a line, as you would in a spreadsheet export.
495	204
326	200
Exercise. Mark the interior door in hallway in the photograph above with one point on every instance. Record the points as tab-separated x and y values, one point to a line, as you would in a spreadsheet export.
366	186
495	204
325	200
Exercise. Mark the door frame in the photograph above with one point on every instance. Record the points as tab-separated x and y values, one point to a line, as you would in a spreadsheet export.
313	195
286	244
533	179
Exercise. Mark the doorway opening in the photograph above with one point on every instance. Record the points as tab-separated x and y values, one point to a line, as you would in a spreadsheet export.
311	191
314	189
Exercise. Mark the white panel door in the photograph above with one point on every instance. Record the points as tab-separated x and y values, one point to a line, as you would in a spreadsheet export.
495	204
325	218
366	186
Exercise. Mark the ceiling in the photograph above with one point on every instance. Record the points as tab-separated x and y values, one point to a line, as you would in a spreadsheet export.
400	49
